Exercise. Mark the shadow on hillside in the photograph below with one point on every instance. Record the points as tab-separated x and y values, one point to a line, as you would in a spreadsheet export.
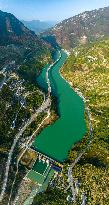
94	161
51	40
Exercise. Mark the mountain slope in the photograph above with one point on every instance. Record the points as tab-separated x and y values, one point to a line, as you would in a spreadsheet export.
88	69
38	26
12	30
22	57
80	29
17	41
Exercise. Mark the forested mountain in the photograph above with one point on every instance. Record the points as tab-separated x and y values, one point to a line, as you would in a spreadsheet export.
22	57
17	42
88	70
81	29
38	26
12	30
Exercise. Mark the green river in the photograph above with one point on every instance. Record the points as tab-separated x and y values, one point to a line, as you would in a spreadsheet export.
56	140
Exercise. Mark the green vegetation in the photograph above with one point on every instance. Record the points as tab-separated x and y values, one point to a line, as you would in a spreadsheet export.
12	111
10	106
33	66
88	69
1	77
22	57
51	197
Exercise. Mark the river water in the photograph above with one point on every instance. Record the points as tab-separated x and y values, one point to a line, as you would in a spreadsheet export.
56	140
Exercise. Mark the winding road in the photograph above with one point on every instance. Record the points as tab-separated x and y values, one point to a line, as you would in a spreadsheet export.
44	107
46	104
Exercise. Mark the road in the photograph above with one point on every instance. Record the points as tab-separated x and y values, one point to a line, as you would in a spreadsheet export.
70	168
28	144
30	141
44	106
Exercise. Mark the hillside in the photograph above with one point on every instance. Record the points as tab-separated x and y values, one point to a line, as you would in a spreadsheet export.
88	69
38	26
81	29
13	31
17	42
22	57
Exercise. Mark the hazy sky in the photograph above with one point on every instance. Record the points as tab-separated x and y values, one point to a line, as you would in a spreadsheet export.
49	9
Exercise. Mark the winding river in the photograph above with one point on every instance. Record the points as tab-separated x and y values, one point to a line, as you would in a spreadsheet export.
56	140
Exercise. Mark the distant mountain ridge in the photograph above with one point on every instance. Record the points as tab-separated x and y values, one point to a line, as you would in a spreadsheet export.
38	26
81	29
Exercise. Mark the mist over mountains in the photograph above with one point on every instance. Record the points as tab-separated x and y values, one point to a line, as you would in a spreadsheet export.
39	26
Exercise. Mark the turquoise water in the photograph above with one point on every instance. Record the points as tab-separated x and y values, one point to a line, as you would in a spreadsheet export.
56	140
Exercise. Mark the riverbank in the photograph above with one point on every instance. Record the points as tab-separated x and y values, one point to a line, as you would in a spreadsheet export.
71	121
46	106
92	80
